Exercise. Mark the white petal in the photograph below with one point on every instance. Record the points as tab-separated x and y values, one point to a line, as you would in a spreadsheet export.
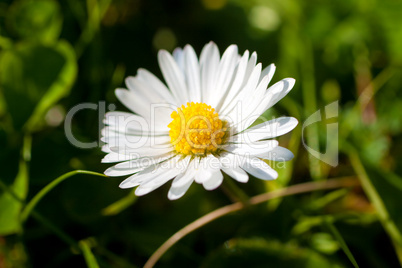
268	71
205	167
160	117
150	173
133	166
179	191
142	151
186	177
146	161
156	85
237	82
255	148
114	118
114	172
136	104
272	96
134	142
236	173
161	176
279	90
139	88
247	91
225	74
214	179
267	130
106	149
192	71
201	170
160	109
250	98
209	62
118	130
129	123
278	154
250	67
173	76
115	157
249	76
178	56
205	52
259	169
253	100
137	178
182	182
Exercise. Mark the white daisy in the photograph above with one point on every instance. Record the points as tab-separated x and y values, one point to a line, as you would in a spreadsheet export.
197	126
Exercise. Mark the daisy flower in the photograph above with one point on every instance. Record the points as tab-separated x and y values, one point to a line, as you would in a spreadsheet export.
196	126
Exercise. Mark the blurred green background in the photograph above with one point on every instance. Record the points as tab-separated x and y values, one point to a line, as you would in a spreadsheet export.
57	54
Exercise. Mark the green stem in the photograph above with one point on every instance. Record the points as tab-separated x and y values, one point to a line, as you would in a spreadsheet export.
384	217
63	236
26	149
29	207
310	104
88	255
96	11
341	241
220	212
120	205
234	192
7	189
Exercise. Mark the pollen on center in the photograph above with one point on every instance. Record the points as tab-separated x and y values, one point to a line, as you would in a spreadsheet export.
196	129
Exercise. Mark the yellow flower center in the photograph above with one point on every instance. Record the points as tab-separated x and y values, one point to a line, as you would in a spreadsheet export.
196	129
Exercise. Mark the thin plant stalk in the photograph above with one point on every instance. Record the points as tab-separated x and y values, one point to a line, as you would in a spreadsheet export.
383	215
291	190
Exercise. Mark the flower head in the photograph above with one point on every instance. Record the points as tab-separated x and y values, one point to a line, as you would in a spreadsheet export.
198	125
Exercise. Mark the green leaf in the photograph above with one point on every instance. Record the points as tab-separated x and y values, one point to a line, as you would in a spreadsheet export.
324	242
90	259
342	243
383	197
323	201
34	77
11	202
305	224
35	20
120	205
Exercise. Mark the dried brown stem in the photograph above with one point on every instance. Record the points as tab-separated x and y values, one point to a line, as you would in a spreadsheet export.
291	190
